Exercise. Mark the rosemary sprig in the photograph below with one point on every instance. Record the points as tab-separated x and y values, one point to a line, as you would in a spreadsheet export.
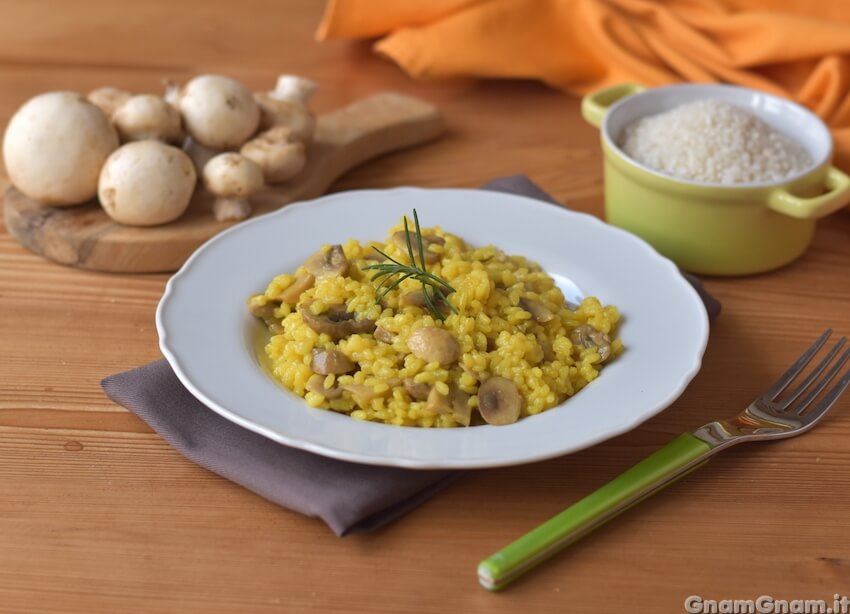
395	272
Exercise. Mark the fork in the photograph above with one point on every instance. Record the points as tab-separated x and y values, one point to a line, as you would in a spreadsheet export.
771	416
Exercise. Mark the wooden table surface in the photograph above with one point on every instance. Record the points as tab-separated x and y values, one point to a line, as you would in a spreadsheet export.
98	514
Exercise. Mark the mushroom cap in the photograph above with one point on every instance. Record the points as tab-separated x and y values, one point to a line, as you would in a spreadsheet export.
336	322
232	175
316	383
401	237
145	183
293	87
301	284
278	153
55	146
325	362
540	312
586	336
147	117
108	98
219	112
283	112
433	344
329	262
499	401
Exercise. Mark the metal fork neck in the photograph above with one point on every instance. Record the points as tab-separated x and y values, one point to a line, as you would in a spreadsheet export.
752	424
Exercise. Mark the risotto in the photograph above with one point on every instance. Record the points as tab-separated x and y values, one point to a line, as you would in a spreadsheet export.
488	338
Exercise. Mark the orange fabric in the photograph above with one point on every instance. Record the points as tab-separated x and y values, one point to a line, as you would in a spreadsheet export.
796	48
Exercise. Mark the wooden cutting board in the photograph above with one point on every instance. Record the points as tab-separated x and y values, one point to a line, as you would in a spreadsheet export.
85	237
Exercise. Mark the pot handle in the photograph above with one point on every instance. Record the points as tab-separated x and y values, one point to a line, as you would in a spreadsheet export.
837	196
595	105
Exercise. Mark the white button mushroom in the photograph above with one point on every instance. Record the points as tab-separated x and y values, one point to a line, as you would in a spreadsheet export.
295	88
219	112
278	152
108	98
288	105
145	183
232	178
55	146
147	117
499	401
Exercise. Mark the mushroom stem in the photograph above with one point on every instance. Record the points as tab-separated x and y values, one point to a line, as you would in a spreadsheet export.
199	154
231	209
171	95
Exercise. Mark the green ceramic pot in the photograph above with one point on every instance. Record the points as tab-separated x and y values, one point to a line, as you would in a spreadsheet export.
713	228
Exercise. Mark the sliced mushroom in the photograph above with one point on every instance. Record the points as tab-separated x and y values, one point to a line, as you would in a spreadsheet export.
455	403
372	253
336	321
587	336
433	344
278	153
327	263
417	299
262	311
499	401
400	239
462	412
363	395
438	403
417	391
316	383
265	311
298	287
326	362
383	335
548	352
540	312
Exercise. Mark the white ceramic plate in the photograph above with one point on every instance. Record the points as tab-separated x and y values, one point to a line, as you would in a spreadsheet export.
205	330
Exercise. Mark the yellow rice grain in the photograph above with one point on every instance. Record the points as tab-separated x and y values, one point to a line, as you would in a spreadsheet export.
496	336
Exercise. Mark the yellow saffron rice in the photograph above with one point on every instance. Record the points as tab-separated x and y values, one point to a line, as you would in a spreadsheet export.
495	334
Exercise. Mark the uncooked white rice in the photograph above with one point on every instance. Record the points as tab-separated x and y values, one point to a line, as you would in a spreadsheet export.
713	141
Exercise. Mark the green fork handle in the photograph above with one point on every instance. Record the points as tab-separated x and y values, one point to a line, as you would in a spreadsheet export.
676	459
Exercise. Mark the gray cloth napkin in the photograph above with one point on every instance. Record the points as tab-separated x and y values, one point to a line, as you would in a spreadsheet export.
349	497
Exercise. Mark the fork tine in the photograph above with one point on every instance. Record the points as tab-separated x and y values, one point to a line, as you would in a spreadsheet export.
785	402
828	401
794	370
814	392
